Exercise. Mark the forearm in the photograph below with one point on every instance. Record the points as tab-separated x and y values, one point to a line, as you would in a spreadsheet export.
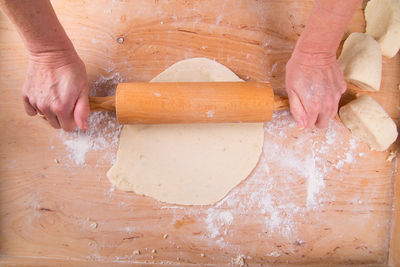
38	26
325	28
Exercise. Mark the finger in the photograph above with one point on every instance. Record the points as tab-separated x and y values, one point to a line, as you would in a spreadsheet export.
297	110
313	98
65	117
340	82
335	109
336	101
50	117
331	109
81	111
312	119
66	121
335	78
312	110
326	107
29	109
342	86
324	116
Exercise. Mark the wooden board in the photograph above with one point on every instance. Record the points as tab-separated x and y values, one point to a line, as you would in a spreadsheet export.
394	253
316	196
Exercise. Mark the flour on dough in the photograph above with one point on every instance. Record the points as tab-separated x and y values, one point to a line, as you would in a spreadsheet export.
369	121
361	61
189	164
383	23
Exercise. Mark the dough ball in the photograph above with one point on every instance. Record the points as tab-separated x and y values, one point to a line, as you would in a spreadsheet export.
361	61
383	23
189	164
369	121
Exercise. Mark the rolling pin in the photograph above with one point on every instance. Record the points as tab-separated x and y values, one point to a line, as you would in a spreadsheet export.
191	102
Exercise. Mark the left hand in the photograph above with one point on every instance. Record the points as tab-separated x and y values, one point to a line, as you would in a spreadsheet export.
314	84
56	87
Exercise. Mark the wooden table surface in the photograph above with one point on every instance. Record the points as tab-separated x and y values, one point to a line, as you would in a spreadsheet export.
316	196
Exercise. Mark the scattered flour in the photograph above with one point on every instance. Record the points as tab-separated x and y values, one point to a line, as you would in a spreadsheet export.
102	135
111	191
291	158
219	19
129	229
210	113
217	221
274	254
240	260
103	131
78	147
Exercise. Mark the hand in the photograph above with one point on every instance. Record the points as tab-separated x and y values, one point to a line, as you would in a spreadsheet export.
314	84
56	86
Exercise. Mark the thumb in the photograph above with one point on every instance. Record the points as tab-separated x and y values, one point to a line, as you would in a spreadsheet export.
297	110
81	112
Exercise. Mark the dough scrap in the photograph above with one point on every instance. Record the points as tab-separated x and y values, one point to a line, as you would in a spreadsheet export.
369	121
383	23
361	61
189	164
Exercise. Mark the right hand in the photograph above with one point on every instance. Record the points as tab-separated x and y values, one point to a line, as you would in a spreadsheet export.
56	87
314	84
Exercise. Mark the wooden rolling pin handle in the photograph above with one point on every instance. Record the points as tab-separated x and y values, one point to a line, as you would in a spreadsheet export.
106	103
281	102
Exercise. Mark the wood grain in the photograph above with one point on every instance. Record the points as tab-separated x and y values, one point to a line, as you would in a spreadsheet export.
194	102
102	103
56	211
394	252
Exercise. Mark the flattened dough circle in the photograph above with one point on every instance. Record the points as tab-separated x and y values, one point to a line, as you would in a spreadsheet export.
189	164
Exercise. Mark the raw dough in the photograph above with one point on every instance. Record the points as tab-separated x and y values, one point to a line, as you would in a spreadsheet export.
190	164
383	23
369	121
361	61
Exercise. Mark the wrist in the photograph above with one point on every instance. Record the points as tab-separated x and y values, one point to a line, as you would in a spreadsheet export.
318	42
48	42
54	57
326	25
313	57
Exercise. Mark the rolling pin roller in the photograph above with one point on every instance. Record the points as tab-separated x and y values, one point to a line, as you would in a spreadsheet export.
191	102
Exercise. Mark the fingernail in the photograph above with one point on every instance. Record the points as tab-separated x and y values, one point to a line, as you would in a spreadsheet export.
85	125
301	125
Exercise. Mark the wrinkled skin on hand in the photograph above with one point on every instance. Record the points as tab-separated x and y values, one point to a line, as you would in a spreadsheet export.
56	86
314	84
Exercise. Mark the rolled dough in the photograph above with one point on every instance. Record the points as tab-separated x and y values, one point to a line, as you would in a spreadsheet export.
369	121
361	61
383	23
189	164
